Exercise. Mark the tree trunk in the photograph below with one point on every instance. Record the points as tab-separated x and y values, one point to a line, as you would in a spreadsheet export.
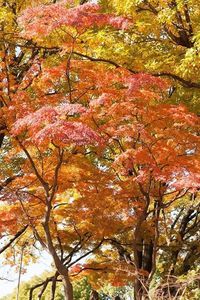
138	259
138	290
68	289
145	252
94	295
60	267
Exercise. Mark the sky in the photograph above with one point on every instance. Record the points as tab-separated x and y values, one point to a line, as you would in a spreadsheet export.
9	277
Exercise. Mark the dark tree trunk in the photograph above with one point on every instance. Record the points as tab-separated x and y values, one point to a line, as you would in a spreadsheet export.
94	295
68	289
138	290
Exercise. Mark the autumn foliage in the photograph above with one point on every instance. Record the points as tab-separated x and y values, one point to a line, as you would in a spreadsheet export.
98	165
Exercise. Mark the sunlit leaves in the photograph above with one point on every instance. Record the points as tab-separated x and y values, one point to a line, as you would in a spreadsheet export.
96	151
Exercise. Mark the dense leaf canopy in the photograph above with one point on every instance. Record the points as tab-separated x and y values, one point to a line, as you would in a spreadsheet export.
99	137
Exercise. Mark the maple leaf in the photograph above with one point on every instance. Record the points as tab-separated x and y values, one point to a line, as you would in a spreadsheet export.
44	116
44	19
66	133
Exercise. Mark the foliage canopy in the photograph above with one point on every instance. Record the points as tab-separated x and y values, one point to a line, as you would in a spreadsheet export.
99	153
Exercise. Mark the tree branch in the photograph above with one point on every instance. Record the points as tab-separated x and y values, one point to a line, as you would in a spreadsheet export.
18	234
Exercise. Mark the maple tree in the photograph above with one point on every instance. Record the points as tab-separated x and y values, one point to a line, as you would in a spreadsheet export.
164	40
97	168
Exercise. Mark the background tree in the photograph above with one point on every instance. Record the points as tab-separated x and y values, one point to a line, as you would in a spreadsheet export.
163	41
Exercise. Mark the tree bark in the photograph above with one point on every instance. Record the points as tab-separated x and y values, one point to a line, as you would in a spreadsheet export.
138	256
60	267
94	295
143	255
138	291
68	289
